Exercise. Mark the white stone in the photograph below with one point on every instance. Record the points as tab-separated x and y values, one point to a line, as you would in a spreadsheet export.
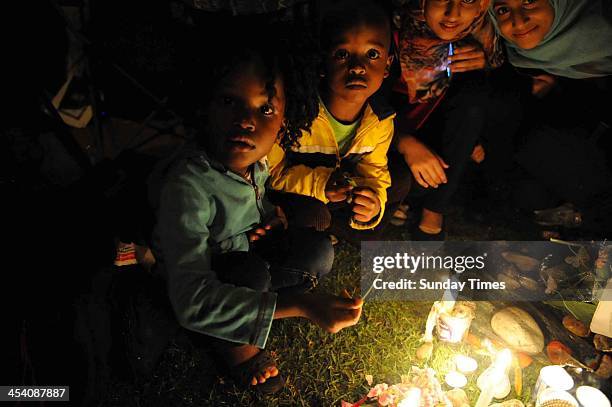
455	379
465	364
518	329
591	397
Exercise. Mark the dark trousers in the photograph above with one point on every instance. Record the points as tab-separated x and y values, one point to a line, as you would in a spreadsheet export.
452	131
335	216
288	262
292	261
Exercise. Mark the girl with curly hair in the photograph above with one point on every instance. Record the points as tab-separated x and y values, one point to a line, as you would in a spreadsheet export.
215	230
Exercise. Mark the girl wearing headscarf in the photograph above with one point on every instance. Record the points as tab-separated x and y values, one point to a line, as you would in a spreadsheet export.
562	50
439	43
568	38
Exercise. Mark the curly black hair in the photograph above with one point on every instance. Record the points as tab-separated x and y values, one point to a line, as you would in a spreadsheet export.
284	54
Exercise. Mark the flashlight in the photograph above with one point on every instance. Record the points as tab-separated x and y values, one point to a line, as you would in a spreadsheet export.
450	54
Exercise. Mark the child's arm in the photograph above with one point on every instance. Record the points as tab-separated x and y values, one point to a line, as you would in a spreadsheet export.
426	166
297	179
374	172
200	301
330	312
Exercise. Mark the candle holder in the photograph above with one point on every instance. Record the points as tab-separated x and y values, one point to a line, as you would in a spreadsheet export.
555	398
454	325
554	381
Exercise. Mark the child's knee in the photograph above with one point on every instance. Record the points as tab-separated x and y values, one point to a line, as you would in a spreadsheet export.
243	269
306	212
321	254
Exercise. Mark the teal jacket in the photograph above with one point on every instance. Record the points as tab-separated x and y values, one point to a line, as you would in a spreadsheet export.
203	210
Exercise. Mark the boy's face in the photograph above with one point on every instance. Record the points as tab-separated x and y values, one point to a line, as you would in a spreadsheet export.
524	22
449	18
356	62
242	122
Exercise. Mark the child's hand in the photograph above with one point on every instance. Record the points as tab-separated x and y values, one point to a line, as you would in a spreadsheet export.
366	204
467	58
542	85
276	222
332	313
337	192
478	154
427	167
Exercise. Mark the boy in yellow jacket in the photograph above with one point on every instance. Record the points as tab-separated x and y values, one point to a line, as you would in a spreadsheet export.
342	162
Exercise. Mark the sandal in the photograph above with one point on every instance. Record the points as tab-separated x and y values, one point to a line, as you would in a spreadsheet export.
243	373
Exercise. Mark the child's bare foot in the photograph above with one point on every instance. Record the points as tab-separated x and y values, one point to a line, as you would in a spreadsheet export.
431	222
431	227
252	365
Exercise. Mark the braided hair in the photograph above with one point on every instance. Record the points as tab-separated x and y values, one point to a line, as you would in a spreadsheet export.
283	55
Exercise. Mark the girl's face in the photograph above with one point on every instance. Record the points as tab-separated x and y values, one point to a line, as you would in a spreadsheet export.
243	122
524	22
449	18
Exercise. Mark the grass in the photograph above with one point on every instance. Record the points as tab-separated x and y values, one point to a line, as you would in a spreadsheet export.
322	369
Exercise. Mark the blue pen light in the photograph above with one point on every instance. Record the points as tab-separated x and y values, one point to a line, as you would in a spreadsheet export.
450	53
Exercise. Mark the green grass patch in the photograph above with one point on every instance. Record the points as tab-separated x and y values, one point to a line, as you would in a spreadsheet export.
320	369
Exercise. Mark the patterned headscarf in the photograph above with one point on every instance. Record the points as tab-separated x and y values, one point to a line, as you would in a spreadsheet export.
578	44
424	57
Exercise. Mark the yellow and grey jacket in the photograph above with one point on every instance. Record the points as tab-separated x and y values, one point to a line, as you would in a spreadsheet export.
306	169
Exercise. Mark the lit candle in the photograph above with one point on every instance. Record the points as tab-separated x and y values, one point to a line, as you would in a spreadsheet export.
591	397
494	378
465	364
455	379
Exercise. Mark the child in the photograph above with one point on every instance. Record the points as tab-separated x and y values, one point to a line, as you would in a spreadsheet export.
212	207
557	45
568	38
438	39
343	161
